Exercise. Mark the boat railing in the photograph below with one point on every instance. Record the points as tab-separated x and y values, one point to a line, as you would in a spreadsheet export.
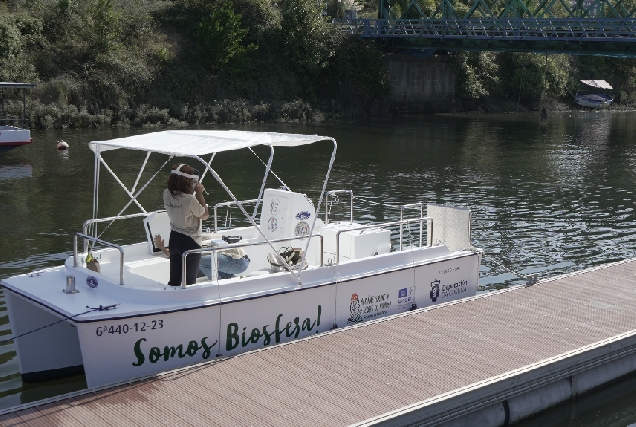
419	206
15	122
102	242
401	223
214	250
90	222
332	193
230	203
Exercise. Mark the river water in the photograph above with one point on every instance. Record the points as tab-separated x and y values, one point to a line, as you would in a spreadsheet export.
547	198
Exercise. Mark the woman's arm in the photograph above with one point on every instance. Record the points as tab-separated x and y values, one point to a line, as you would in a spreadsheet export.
198	190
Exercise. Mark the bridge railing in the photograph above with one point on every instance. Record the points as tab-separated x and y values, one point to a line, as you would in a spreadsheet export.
588	29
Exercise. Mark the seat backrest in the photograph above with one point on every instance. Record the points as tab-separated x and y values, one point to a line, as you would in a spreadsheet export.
451	226
285	214
157	223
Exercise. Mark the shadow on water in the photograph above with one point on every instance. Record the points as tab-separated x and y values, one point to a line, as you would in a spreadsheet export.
547	197
613	405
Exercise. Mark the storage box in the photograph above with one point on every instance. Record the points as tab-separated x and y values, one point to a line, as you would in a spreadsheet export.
354	244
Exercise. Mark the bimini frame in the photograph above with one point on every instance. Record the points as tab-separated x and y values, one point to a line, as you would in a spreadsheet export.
194	144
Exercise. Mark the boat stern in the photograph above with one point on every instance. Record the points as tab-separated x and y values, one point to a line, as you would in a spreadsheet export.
48	344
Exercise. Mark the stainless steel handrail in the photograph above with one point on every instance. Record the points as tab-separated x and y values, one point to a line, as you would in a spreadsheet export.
232	202
416	205
241	245
96	240
332	192
428	220
112	218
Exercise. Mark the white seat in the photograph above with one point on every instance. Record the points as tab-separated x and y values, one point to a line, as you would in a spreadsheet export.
154	224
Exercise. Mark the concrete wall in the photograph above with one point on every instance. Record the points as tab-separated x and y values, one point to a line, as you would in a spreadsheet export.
422	84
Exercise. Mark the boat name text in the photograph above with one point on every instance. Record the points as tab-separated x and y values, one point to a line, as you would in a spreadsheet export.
155	353
291	329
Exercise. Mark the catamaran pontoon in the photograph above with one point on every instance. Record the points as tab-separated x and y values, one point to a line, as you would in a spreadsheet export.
343	273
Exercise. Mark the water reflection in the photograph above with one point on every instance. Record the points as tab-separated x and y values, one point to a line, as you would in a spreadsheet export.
15	171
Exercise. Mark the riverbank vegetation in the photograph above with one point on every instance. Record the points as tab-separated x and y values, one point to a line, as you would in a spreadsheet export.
183	62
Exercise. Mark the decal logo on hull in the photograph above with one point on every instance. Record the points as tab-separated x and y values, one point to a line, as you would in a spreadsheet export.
355	311
406	298
92	282
368	307
435	290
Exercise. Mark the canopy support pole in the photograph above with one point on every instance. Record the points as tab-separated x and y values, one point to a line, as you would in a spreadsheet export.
132	197
249	218
322	193
268	168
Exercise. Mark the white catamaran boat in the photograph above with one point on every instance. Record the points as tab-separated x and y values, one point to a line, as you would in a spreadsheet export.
592	99
123	321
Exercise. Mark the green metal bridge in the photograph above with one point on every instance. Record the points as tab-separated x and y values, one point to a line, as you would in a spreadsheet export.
583	27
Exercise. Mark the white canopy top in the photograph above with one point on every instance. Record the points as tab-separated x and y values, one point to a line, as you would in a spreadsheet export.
601	84
199	142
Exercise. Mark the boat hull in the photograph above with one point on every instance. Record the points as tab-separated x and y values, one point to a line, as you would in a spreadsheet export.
593	100
49	353
121	347
13	137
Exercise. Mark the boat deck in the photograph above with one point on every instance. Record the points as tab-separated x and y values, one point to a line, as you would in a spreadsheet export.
428	365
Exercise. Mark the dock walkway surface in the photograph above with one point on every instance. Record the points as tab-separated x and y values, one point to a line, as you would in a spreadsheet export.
488	360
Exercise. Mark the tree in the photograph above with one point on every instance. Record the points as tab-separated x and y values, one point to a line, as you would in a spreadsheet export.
220	37
105	24
477	74
308	37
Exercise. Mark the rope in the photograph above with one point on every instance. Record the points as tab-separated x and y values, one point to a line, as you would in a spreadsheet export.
100	308
143	167
273	173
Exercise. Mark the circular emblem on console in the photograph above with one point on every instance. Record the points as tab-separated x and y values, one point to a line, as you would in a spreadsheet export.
274	206
302	229
92	282
272	224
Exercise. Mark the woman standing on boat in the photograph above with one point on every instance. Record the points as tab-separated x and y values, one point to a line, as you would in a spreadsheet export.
186	210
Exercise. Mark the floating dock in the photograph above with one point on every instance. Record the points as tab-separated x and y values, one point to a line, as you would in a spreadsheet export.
490	360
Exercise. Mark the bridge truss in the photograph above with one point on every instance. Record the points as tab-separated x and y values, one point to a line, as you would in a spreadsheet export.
586	27
452	9
582	36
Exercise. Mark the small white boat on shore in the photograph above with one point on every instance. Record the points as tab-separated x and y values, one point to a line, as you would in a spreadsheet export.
14	131
123	321
594	99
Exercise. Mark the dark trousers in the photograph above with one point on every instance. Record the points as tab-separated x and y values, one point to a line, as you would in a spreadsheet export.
179	243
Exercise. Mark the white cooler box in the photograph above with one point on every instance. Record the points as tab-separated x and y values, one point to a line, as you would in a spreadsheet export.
354	244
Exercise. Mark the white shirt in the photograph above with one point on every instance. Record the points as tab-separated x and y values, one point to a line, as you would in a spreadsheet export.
184	212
